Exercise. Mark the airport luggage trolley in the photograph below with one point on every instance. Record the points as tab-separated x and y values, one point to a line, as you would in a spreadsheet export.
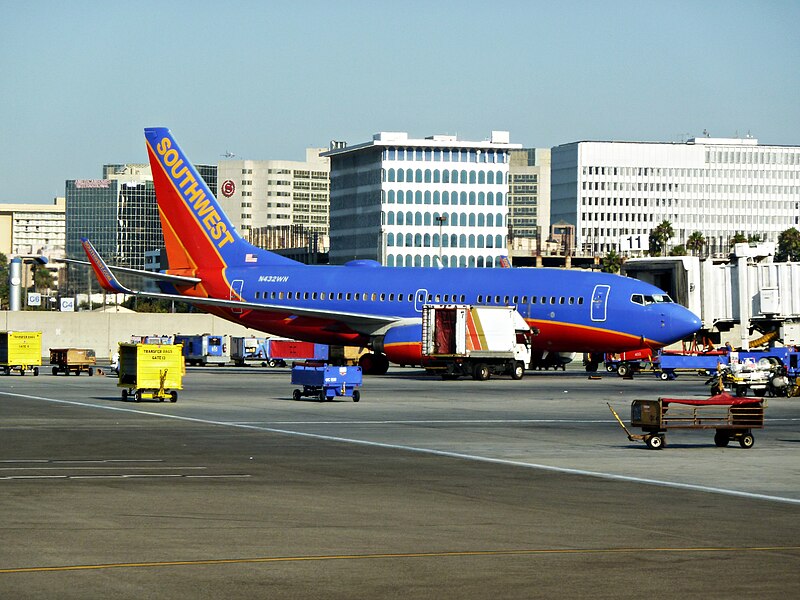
20	351
326	381
150	371
731	417
72	360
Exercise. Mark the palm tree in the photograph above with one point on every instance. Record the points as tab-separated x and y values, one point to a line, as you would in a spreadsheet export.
612	262
696	242
738	238
659	238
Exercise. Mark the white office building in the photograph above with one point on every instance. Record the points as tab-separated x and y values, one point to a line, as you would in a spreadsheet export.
615	193
413	202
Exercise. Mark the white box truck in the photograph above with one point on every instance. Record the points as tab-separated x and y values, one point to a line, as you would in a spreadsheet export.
480	341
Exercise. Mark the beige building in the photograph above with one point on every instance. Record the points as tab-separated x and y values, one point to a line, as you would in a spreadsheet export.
258	194
529	196
28	230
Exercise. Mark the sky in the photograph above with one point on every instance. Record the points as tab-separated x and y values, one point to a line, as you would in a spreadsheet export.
264	80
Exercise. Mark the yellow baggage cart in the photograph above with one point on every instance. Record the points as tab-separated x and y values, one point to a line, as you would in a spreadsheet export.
20	351
150	371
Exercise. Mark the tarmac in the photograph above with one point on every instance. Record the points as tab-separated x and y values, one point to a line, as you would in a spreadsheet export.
423	489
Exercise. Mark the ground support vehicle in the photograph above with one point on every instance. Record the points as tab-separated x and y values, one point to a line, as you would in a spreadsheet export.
731	417
479	341
324	381
248	350
20	351
72	360
275	351
203	349
345	355
626	364
671	363
150	371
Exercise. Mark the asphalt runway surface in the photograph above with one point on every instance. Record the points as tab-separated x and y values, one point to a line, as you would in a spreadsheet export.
423	489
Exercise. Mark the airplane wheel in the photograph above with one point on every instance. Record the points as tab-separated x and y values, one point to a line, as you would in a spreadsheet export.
747	440
721	439
656	442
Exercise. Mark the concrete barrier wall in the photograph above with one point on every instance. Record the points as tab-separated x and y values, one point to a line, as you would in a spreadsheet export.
102	331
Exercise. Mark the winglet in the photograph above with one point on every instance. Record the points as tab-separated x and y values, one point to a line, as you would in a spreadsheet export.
104	275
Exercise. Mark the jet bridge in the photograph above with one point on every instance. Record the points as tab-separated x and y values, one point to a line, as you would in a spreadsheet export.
733	298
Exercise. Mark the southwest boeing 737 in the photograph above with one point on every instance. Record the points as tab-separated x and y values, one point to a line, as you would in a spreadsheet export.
364	304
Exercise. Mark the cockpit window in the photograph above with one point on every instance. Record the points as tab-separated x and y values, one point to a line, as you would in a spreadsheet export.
650	299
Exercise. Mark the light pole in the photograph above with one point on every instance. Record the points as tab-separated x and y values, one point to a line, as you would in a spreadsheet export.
441	219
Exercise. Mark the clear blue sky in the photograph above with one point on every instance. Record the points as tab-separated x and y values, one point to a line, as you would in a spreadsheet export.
80	80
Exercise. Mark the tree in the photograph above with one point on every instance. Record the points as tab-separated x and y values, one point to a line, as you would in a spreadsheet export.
696	242
659	237
42	278
754	237
738	238
679	250
612	262
788	246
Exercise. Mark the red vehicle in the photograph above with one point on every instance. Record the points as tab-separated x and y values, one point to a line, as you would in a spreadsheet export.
627	363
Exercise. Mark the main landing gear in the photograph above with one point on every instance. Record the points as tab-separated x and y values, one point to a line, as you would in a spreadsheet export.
373	364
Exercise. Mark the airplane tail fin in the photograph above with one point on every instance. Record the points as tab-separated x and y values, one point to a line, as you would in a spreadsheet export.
197	233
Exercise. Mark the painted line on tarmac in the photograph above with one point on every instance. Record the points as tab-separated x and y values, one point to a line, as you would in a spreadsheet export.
428	422
431	451
402	555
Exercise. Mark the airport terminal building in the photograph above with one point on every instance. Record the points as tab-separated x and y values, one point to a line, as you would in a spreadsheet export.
617	191
410	202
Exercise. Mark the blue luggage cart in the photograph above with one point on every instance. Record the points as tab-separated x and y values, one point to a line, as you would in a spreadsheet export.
326	381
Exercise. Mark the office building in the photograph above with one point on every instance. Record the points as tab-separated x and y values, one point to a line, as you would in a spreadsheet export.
615	193
414	202
118	213
30	230
269	194
529	195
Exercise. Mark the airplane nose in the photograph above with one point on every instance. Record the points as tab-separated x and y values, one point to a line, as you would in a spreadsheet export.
684	322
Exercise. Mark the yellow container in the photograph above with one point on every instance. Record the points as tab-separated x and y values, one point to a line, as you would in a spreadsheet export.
150	371
20	350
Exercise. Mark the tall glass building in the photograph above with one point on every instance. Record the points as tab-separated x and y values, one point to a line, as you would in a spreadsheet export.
118	213
413	202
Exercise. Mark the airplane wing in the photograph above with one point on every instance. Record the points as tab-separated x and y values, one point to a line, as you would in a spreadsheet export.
358	321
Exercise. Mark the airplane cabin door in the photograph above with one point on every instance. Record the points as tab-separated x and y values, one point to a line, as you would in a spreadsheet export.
420	297
600	302
236	293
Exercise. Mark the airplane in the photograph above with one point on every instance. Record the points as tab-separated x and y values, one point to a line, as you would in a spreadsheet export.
362	303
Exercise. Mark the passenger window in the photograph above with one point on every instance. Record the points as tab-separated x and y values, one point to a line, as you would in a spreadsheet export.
314	296
524	299
383	297
374	296
280	295
580	299
497	299
480	298
289	295
561	300
544	300
533	299
552	299
463	298
516	299
348	295
322	295
572	299
505	300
